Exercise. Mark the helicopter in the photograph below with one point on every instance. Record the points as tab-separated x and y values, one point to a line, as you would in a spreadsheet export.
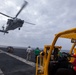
14	22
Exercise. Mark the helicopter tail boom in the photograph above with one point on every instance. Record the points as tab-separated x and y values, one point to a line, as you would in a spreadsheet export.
3	31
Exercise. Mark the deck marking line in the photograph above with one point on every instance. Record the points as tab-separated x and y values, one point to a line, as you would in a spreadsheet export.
1	73
20	59
1	51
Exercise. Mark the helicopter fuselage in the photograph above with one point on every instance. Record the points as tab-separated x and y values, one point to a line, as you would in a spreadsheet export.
14	23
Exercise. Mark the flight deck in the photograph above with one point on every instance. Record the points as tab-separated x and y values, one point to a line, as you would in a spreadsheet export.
15	63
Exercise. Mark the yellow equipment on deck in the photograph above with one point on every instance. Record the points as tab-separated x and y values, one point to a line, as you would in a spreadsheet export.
46	56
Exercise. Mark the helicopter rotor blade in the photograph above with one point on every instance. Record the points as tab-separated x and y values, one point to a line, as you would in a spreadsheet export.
5	15
25	3
29	23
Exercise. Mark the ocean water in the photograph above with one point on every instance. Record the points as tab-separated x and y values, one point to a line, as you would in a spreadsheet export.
65	51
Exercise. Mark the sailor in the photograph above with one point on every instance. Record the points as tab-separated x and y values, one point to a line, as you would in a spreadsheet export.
74	63
29	50
37	52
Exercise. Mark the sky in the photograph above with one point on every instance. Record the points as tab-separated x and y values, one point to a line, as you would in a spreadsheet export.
49	17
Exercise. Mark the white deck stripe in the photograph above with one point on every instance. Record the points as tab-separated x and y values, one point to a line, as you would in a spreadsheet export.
1	73
1	51
20	59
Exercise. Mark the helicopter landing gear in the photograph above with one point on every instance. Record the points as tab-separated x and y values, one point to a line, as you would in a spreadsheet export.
18	28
